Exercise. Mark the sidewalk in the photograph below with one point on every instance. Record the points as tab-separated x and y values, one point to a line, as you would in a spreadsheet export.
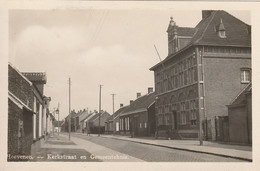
234	151
60	148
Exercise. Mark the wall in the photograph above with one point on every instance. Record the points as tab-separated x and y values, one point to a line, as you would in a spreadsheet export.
19	145
222	82
238	124
222	79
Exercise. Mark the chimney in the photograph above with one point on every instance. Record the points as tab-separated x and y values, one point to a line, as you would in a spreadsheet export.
150	90
206	13
121	105
138	95
131	101
47	101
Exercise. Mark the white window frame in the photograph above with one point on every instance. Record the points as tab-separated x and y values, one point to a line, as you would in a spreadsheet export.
243	76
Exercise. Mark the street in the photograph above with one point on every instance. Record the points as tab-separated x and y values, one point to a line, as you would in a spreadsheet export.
152	153
93	148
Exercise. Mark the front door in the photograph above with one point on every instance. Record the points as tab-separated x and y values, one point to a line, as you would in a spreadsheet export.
135	126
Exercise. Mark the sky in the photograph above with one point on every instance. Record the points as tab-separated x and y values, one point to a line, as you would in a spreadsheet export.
113	48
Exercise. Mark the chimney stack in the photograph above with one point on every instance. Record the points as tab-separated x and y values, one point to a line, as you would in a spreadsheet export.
131	101
150	90
121	105
206	13
138	95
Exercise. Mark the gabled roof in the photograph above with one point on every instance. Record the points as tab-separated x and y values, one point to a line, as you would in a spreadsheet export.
238	33
186	31
87	118
117	113
77	114
241	97
97	115
140	104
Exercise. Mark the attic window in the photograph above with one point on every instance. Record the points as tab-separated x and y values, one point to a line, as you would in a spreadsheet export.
220	29
222	34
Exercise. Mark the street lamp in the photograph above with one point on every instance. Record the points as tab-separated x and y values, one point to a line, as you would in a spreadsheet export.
57	112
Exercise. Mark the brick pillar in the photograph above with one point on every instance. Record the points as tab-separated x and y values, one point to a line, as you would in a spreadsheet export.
44	120
40	120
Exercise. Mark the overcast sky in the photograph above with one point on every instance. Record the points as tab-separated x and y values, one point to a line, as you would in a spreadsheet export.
114	48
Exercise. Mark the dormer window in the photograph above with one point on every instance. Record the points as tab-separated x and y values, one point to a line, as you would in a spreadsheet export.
220	29
222	34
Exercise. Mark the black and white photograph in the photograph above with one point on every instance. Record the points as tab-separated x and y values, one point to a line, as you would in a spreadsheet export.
130	84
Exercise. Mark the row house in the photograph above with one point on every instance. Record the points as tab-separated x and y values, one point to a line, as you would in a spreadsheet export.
206	67
138	119
83	115
85	121
77	120
27	110
97	120
72	121
112	123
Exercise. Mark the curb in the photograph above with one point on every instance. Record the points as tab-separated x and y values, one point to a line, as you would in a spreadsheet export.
184	149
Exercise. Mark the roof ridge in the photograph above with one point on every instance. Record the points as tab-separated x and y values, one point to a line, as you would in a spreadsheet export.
241	92
212	17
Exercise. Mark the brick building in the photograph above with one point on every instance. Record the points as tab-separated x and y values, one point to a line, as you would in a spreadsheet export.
26	108
93	122
112	123
240	117
138	119
206	67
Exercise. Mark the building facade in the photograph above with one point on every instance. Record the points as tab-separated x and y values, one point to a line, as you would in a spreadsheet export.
27	111
112	123
138	119
206	67
240	117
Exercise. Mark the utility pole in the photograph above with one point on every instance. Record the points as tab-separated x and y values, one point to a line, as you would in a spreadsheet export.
69	110
58	111
100	86
113	124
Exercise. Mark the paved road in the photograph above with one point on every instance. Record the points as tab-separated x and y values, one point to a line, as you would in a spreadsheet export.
153	153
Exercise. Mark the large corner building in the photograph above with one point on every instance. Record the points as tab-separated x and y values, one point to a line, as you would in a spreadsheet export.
206	67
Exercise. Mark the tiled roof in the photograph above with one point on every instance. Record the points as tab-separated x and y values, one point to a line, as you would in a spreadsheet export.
119	111
36	76
237	32
77	114
97	115
140	104
241	98
88	117
186	31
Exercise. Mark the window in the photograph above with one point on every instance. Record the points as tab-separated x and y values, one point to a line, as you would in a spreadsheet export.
222	34
140	125
245	75
182	114
193	113
145	125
